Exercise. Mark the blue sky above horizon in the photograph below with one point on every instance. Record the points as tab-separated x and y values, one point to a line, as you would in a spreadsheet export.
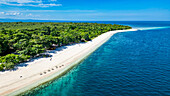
95	10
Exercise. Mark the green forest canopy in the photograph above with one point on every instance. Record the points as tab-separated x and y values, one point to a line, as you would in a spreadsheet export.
20	41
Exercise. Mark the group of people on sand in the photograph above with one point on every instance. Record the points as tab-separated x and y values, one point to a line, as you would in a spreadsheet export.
21	75
52	69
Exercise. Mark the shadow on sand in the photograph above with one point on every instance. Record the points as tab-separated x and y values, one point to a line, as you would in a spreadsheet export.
48	54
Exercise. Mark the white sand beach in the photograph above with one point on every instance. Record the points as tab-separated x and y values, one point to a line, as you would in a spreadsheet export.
42	70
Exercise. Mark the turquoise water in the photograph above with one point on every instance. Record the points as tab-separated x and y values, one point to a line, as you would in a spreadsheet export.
129	64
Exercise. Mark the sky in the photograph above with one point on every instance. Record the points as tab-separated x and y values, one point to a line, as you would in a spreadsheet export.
86	10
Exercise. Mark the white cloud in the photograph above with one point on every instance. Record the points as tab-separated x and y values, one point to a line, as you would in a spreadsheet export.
29	14
46	5
2	12
11	13
17	14
57	11
23	1
33	3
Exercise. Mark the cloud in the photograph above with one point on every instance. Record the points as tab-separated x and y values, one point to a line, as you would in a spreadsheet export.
29	14
57	11
33	3
17	14
2	12
11	13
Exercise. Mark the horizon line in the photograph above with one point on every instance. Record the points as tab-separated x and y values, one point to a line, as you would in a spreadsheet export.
78	20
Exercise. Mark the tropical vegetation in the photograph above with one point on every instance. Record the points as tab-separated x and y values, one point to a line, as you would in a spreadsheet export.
20	41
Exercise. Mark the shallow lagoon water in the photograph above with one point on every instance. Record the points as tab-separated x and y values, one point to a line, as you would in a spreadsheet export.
129	64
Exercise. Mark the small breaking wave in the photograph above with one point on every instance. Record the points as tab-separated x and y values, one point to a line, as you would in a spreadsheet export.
153	28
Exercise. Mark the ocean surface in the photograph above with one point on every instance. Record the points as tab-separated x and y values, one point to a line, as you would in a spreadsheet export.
129	64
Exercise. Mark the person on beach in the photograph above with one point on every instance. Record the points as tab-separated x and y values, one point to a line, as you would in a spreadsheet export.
50	59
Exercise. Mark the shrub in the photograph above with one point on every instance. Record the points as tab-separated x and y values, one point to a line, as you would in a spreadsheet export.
9	65
1	67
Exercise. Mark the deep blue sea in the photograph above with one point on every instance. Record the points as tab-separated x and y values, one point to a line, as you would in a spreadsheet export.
129	64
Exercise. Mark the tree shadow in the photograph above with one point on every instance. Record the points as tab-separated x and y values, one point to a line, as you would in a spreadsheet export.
57	49
47	53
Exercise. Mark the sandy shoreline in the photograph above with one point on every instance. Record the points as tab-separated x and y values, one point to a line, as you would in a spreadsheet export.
44	69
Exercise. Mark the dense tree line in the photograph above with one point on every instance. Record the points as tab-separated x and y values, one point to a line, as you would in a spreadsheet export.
20	41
